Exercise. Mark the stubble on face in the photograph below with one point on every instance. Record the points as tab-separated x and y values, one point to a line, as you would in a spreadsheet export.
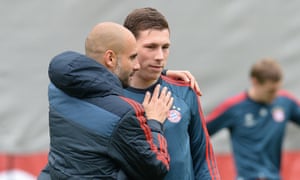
126	64
123	74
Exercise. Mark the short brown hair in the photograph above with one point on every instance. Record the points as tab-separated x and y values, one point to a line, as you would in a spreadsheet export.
266	69
145	18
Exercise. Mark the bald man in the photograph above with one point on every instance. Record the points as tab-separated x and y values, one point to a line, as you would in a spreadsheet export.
105	42
95	132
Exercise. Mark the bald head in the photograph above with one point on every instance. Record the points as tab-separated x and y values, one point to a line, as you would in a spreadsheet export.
113	46
107	36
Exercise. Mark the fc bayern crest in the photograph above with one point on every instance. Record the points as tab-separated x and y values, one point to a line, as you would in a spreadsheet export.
174	116
278	114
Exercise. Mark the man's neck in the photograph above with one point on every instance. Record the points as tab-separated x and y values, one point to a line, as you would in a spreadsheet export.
252	94
255	96
140	83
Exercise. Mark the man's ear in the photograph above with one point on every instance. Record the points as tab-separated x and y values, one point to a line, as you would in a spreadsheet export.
110	59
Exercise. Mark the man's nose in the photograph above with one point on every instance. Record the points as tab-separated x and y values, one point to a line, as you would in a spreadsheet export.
159	54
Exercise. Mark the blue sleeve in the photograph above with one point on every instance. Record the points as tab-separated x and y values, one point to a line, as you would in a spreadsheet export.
202	152
44	174
295	112
221	117
292	104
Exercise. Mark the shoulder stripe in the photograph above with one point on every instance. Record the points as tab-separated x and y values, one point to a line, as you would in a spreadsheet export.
175	81
289	96
225	106
210	158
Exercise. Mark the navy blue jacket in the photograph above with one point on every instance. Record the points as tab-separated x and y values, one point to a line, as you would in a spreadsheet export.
256	131
95	132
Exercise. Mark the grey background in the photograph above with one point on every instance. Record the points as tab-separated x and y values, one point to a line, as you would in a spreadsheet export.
215	40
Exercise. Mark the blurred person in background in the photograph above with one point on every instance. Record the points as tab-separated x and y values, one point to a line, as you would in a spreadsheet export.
256	120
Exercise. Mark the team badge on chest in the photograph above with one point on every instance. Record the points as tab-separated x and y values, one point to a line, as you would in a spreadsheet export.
174	115
278	114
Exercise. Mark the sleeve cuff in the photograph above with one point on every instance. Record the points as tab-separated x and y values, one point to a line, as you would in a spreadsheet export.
155	125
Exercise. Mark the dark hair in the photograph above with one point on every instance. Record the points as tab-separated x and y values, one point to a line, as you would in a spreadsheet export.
145	18
266	69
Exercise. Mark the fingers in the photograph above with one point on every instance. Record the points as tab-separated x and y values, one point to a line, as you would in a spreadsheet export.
197	88
193	83
186	76
178	75
189	77
147	98
170	102
164	92
156	91
166	95
157	107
